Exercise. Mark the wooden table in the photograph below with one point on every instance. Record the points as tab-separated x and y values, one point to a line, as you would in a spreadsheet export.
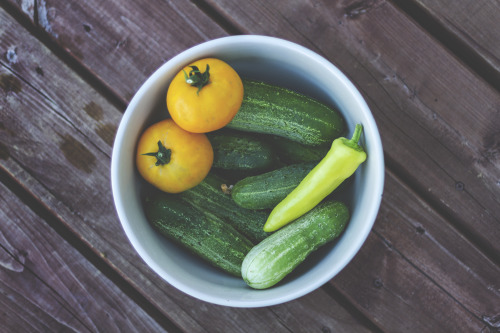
430	72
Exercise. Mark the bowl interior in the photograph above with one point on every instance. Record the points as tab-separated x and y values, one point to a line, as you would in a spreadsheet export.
275	61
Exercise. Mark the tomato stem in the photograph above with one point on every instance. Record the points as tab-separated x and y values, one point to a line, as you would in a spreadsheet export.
196	78
162	155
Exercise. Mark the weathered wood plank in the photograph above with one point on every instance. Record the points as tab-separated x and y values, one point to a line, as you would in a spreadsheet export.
438	121
439	251
60	138
473	24
122	42
50	286
415	263
47	144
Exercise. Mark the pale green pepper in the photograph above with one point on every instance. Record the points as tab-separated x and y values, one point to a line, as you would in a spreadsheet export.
339	163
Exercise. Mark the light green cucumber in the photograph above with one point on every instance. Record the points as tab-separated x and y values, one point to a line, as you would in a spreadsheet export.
274	258
275	110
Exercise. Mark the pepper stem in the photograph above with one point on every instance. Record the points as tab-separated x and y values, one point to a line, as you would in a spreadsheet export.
162	155
357	133
353	142
196	78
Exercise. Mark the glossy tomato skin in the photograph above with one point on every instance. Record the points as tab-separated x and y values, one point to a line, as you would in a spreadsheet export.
191	157
213	106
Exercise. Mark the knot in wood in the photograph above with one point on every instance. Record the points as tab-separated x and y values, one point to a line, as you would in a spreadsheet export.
377	283
459	186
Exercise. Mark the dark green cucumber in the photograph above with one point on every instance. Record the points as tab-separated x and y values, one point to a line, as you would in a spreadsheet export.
278	255
205	235
275	110
209	196
268	189
292	152
241	152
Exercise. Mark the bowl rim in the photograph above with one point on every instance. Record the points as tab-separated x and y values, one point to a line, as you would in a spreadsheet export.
376	149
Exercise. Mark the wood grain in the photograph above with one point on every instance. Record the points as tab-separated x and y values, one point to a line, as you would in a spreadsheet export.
122	42
466	27
52	145
50	286
415	262
53	148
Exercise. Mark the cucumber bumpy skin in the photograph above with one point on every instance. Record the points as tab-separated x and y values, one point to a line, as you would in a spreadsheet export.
241	152
292	152
209	197
271	260
268	189
204	234
269	109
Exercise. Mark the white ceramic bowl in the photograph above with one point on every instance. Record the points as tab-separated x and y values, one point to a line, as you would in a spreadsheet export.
276	61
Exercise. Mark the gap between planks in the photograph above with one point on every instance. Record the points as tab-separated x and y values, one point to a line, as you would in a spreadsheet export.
34	28
336	294
474	61
97	260
230	27
435	205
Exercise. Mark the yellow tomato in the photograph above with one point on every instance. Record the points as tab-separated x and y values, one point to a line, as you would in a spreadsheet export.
201	102
173	159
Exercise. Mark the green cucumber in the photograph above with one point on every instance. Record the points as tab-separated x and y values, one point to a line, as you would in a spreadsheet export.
292	152
275	110
237	151
209	196
271	260
268	189
202	233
